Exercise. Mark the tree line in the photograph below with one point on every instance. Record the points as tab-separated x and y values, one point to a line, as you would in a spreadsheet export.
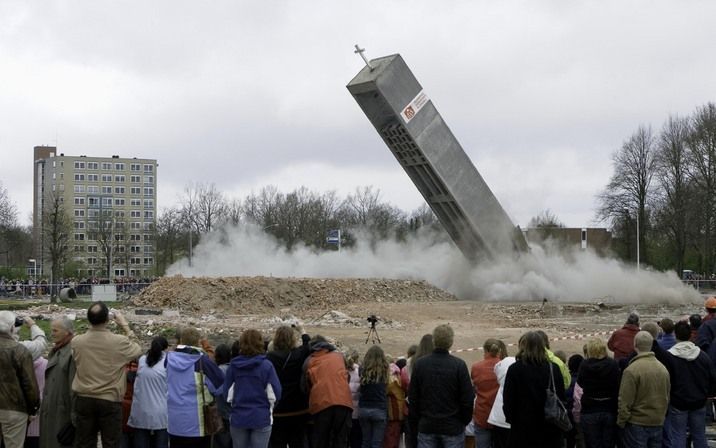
665	181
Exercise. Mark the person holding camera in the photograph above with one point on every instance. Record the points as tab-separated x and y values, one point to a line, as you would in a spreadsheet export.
101	379
19	394
37	344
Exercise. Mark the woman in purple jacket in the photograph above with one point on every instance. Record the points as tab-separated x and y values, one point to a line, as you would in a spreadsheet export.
255	389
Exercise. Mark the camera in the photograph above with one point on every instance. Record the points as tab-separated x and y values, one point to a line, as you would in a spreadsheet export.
373	319
19	321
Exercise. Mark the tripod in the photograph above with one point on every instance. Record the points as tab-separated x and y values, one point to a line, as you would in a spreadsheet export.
373	334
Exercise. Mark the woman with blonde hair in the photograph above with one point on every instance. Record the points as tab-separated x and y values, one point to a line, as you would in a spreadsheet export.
373	401
599	378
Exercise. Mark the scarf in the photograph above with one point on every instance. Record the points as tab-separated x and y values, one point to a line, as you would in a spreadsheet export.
61	343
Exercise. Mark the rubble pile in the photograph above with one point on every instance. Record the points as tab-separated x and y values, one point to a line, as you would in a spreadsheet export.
261	294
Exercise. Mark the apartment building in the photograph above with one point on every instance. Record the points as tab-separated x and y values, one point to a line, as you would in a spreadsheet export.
112	203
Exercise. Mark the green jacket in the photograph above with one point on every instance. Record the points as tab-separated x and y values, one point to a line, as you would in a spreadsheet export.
18	385
562	368
644	392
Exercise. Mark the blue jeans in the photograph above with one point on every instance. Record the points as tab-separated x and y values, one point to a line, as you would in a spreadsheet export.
440	441
372	425
637	436
250	438
678	421
599	429
146	438
483	437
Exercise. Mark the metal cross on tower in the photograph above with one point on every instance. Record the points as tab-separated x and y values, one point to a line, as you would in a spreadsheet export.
360	51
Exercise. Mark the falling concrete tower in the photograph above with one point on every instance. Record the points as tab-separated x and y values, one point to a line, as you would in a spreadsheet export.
408	122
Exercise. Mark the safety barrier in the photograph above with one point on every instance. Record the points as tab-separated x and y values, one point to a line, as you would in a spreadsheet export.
574	337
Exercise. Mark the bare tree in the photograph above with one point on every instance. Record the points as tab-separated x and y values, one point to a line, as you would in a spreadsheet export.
57	225
204	206
169	237
629	187
674	210
545	220
8	210
701	147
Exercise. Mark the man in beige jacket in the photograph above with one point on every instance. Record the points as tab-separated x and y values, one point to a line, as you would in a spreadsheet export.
100	379
643	396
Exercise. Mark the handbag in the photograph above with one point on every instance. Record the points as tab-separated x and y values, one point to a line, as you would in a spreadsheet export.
66	435
213	423
554	411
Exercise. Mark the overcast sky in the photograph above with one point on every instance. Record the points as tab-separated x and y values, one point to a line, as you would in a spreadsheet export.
247	94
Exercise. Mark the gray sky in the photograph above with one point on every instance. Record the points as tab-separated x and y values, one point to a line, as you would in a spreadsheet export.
246	94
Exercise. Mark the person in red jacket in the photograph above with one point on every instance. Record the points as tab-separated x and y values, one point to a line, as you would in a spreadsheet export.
329	397
485	382
621	341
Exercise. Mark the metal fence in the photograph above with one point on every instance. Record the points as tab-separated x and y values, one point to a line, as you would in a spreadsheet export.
81	290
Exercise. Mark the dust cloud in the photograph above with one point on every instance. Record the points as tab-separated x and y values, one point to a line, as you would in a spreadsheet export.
569	276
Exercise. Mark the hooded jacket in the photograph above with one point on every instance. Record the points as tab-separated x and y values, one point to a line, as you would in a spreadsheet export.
251	376
599	380
184	400
693	376
289	367
326	378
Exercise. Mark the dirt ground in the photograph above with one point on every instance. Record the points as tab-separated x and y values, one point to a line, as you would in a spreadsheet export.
402	324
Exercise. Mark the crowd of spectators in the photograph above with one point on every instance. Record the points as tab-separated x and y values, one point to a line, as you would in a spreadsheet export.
83	286
296	390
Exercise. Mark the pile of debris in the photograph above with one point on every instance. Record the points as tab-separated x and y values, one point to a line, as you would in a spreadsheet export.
248	295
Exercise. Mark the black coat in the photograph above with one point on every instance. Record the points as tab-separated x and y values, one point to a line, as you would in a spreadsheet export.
599	380
289	368
441	395
524	396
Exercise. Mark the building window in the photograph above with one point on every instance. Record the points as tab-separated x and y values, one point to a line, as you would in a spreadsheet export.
79	213
106	166
92	201
92	249
147	237
119	214
135	214
79	236
119	178
148	226
91	260
79	165
93	189
79	225
106	190
62	187
148	260
79	188
135	202
79	177
135	260
135	249
148	180
92	165
136	226
106	178
148	191
119	201
78	248
136	190
118	190
134	237
93	178
148	168
149	203
106	202
79	201
93	213
135	179
119	166
135	167
148	214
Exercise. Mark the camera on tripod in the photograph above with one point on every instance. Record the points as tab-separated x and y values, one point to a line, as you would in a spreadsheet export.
373	332
373	319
